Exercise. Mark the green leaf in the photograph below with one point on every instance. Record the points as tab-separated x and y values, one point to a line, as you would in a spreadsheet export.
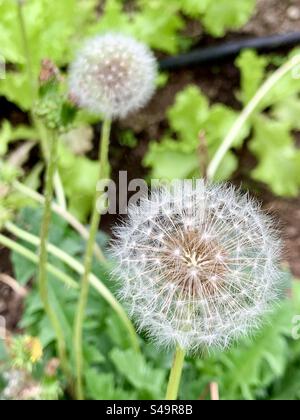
116	332
146	23
278	159
30	220
149	381
113	18
170	160
257	363
287	389
101	386
79	176
252	67
158	30
288	111
188	117
24	270
219	122
194	8
10	33
227	167
222	15
92	355
9	134
252	365
16	89
287	87
53	30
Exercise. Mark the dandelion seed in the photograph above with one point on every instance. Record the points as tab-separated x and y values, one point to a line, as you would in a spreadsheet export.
215	281
113	75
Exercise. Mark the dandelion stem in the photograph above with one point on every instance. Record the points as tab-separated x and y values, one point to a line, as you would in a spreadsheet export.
43	257
68	217
248	112
94	281
32	81
30	256
175	375
84	289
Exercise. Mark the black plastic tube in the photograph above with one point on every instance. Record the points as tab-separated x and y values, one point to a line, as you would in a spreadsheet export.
229	50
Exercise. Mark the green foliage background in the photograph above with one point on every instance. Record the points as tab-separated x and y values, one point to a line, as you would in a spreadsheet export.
266	366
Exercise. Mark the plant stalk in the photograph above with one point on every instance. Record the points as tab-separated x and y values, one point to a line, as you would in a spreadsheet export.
30	256
77	267
59	191
43	256
68	217
84	288
248	112
175	375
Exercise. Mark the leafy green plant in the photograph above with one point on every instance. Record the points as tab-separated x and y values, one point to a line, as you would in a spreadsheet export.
263	367
258	369
269	131
25	373
53	28
56	29
177	154
273	139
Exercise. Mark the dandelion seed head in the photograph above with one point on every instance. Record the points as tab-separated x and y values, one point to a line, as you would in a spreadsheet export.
201	284
113	75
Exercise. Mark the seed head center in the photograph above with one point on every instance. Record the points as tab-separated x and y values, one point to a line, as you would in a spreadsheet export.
192	260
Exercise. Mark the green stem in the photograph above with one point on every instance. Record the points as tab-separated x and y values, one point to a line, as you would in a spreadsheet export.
59	191
84	289
30	256
175	375
43	259
247	113
68	217
77	267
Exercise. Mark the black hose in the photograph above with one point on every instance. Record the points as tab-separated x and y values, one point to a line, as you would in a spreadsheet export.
228	50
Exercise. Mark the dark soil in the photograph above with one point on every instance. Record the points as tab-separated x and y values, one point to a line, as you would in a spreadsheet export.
10	303
220	84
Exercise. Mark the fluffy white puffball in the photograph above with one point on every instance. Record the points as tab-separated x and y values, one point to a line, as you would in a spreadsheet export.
197	265
113	75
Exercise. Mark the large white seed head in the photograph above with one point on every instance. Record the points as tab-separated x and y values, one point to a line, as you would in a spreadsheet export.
198	265
113	75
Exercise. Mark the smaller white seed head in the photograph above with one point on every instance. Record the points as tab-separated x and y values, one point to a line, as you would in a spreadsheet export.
113	75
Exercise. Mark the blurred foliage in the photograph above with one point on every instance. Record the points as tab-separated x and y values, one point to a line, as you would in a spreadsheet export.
270	131
266	366
57	28
177	155
24	375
